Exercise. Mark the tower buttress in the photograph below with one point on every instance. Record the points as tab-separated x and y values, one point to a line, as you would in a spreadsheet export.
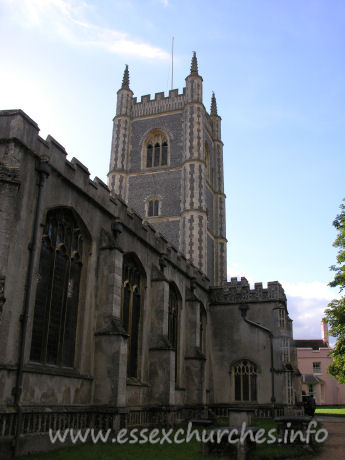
118	168
220	225
193	224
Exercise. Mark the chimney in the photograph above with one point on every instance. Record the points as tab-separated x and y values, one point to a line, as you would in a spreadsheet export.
324	331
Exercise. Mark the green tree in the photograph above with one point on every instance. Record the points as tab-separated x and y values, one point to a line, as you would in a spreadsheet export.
335	314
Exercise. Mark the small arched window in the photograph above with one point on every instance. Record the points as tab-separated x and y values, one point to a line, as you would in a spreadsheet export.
153	207
156	148
57	293
132	288
244	379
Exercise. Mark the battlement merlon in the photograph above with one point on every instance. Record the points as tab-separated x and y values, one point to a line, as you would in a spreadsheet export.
18	129
148	106
238	291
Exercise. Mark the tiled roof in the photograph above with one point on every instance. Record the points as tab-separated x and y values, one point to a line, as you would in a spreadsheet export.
310	343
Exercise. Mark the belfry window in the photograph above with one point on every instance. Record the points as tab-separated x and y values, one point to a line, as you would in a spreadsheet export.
153	208
57	293
156	150
244	378
132	282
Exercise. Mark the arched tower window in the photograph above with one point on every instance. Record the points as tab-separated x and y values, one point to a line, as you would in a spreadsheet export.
244	379
156	150
152	207
57	293
173	324
132	293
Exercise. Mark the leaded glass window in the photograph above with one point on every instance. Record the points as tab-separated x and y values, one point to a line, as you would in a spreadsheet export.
149	156
153	207
282	318
244	375
285	349
57	293
156	148
289	388
131	309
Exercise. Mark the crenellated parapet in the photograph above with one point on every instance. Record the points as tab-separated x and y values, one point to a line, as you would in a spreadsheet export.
237	291
159	104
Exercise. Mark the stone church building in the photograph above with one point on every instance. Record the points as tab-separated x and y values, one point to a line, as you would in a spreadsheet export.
114	305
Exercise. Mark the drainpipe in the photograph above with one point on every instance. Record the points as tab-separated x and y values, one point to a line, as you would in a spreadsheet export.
244	308
43	170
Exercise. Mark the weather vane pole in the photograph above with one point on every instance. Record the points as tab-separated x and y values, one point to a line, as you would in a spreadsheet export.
172	64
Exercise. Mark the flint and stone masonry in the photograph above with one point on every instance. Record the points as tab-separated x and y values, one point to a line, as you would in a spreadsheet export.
190	185
134	323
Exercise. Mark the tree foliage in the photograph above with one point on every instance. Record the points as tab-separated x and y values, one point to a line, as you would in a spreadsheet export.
335	314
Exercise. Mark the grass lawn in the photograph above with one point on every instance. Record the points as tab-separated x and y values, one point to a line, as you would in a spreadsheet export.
165	451
331	410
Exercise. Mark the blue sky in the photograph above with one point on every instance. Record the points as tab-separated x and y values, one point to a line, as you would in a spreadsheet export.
278	70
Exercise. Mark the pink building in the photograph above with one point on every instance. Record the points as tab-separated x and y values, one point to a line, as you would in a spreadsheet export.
313	361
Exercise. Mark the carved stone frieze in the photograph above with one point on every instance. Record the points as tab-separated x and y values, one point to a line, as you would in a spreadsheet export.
9	174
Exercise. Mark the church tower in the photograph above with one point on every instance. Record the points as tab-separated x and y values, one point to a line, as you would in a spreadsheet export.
167	164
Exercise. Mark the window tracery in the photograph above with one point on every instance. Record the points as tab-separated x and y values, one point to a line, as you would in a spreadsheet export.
156	148
57	293
244	375
132	286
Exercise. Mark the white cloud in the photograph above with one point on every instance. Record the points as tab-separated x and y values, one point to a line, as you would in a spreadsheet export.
68	20
306	302
311	290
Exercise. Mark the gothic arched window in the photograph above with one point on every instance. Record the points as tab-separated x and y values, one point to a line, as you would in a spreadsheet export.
132	287
244	379
57	293
156	149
